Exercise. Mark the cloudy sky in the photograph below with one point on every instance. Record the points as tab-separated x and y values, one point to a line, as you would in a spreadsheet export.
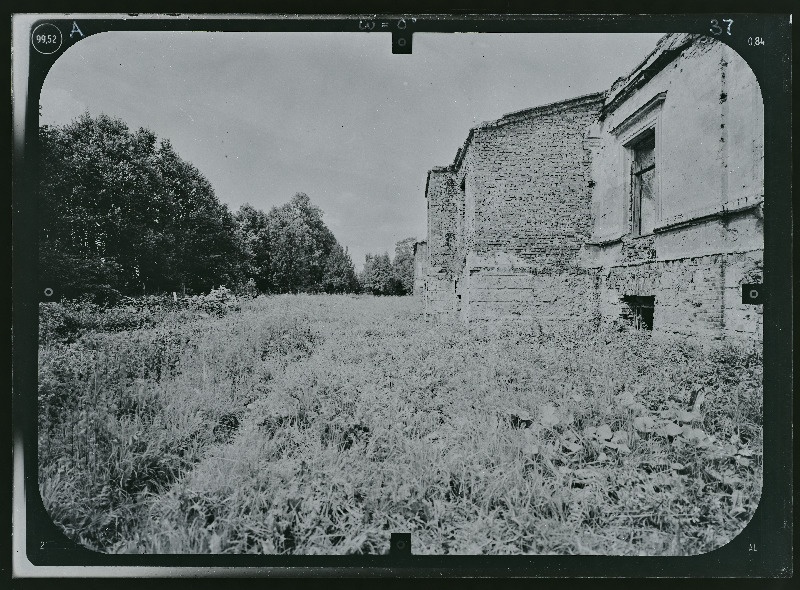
334	115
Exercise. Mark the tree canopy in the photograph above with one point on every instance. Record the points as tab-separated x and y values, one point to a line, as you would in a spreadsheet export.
404	265
291	250
122	214
383	276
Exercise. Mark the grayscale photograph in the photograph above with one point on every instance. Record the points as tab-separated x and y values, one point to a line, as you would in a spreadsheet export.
300	293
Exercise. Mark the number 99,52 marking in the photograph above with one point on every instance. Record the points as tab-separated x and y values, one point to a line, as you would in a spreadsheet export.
46	38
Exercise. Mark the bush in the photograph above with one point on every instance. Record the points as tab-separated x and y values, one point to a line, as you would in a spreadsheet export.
68	321
218	302
249	290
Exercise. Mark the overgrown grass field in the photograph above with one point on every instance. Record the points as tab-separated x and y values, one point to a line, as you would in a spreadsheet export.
320	424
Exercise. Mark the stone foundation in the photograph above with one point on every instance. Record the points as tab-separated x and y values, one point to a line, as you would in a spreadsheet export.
545	298
700	295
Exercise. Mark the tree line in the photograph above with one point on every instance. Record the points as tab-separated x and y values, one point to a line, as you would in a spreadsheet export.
384	276
122	214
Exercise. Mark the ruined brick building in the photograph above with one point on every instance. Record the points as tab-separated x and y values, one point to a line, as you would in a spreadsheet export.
641	204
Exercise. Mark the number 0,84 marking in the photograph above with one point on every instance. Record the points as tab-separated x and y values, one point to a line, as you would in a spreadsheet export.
716	29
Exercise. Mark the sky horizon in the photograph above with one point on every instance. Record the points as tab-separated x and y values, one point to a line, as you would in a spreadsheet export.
337	116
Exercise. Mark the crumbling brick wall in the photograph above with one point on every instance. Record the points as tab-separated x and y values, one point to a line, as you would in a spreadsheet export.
443	240
420	268
527	194
535	219
531	177
442	195
698	295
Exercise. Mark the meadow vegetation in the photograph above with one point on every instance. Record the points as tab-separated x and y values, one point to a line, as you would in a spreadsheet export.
319	424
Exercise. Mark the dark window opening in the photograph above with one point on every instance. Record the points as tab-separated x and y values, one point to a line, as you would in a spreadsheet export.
643	170
638	311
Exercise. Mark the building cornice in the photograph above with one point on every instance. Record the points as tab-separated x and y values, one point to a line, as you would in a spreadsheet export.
695	217
668	48
640	113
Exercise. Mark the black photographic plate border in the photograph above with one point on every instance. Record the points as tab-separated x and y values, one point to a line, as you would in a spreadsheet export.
762	549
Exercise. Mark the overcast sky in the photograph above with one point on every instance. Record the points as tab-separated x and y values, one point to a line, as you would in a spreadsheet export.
334	115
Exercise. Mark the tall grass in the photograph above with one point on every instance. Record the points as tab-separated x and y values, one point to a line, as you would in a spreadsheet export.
320	424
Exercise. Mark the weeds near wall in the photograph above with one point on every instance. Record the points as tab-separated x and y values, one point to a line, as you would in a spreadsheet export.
320	424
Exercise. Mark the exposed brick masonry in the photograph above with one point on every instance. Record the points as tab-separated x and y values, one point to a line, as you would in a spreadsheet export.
534	218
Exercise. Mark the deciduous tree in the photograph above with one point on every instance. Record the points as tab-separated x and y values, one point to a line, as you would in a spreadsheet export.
121	214
404	266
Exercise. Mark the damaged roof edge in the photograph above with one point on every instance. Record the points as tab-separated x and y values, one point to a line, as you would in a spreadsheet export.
666	50
545	108
448	169
522	115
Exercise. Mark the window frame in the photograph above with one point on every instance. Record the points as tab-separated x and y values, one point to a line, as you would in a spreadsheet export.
636	186
629	133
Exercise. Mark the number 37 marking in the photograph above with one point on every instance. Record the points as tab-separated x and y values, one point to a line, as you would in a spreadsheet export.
717	30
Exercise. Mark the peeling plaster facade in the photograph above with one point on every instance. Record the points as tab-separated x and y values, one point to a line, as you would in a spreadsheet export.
644	201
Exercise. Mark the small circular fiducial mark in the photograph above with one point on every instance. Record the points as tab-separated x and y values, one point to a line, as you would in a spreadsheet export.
753	294
48	292
401	42
401	544
46	38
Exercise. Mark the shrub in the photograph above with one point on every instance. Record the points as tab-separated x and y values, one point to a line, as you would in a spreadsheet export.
68	321
217	302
